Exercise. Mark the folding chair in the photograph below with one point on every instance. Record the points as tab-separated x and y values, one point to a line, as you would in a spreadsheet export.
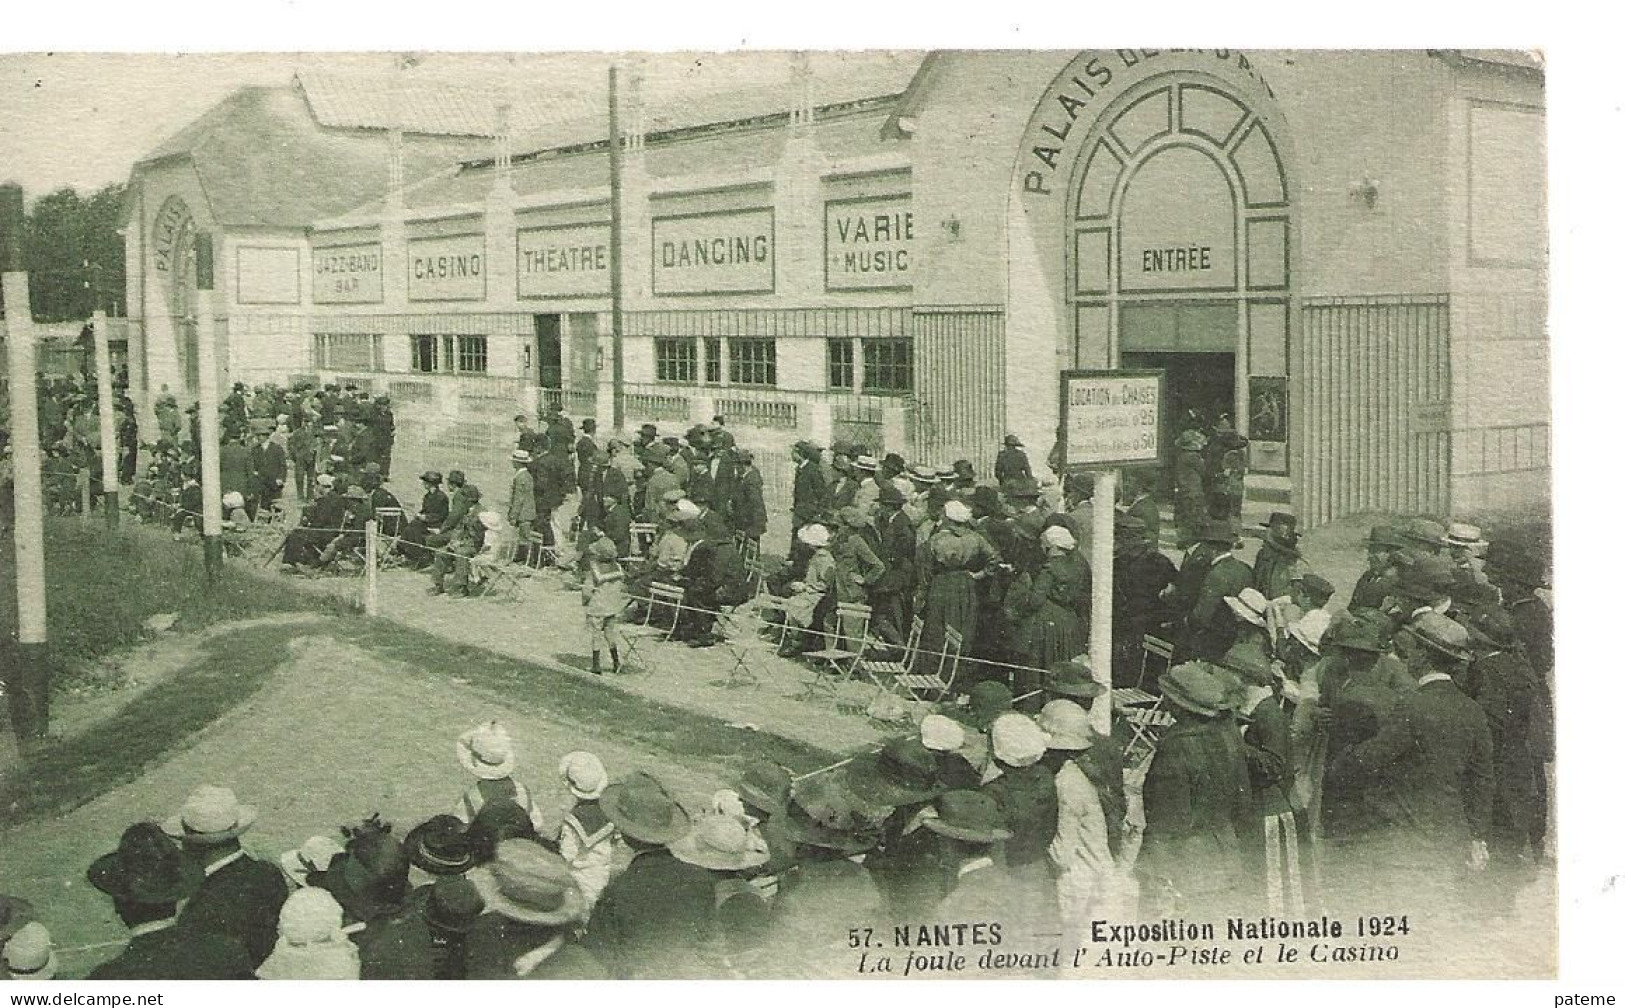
842	649
1146	725
766	600
499	578
750	550
643	538
540	555
653	627
1153	647
391	521
940	681
741	643
901	669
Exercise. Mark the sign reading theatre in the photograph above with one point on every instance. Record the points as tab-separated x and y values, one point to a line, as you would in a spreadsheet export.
1111	418
446	269
564	261
348	274
867	243
728	252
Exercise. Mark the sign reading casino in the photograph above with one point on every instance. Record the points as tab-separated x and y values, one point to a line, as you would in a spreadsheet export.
570	261
348	274
446	269
867	243
726	252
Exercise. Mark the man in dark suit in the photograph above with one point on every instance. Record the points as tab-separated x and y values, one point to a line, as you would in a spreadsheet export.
1426	779
809	496
147	877
969	824
1210	627
892	597
655	919
240	896
270	465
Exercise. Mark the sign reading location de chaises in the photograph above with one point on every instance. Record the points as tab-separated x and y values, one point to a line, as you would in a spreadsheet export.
348	274
446	269
1111	418
725	252
563	261
867	243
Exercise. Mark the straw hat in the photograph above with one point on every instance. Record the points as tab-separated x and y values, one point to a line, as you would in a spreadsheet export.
29	954
584	773
315	855
967	815
685	510
1065	726
642	809
825	814
533	885
814	535
1250	663
1194	687
486	751
1249	604
1057	537
1309	630
521	456
1384	536
1463	534
720	843
1442	635
956	511
941	734
211	815
1017	740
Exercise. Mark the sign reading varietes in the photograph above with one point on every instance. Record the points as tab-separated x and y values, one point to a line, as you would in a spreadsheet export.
1111	418
867	243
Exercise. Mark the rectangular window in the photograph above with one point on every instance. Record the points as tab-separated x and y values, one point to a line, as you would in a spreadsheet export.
471	355
425	355
347	352
675	360
753	362
888	365
842	371
713	361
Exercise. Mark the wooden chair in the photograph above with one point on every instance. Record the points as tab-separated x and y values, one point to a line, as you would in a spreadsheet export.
1153	647
939	681
539	555
744	645
653	626
1146	725
843	648
501	578
643	538
902	668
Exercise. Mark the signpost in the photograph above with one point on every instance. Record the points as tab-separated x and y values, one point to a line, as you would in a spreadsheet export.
1109	419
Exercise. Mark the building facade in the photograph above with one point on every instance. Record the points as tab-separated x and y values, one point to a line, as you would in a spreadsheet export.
1343	252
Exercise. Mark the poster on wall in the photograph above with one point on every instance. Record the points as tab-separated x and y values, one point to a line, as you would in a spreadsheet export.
1266	409
570	261
348	274
867	243
446	269
721	252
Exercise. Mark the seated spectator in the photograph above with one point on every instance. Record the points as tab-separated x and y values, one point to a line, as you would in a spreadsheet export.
533	905
30	954
311	943
487	752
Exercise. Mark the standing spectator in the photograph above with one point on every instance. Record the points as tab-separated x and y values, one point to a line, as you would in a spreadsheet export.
1049	610
521	514
1089	883
1138	502
302	455
603	593
749	510
955	558
1268	751
587	839
240	895
1278	557
892	596
588	457
236	466
487	752
1025	794
1519	574
270	465
1011	462
1210	627
809	494
1190	495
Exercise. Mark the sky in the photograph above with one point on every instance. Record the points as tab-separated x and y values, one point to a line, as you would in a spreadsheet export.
82	120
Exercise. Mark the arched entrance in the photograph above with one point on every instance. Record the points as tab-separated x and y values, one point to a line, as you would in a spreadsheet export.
1179	217
174	263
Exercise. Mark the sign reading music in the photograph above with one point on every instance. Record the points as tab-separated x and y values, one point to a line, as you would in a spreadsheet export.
563	261
1111	418
728	252
348	274
446	269
867	243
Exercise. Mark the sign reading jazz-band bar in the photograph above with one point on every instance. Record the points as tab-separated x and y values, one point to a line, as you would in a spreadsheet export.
348	274
1111	418
867	243
446	269
726	252
563	261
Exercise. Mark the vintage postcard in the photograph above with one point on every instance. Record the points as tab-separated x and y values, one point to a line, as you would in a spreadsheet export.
850	514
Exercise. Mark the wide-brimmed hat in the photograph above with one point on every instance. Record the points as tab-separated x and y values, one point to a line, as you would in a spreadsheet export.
1283	521
29	953
1013	441
1361	632
1017	740
720	843
1219	530
1194	687
1425	578
431	477
824	813
1249	662
986	701
1314	585
1020	488
147	867
603	549
1493	627
765	785
521	456
211	815
583	774
685	510
1422	532
454	904
1073	678
1386	536
1463	534
486	751
903	772
658	450
868	463
941	734
1057	537
1249	604
1066	726
532	885
14	913
814	535
641	808
313	856
1441	634
890	495
956	511
967	815
922	473
1311	628
440	845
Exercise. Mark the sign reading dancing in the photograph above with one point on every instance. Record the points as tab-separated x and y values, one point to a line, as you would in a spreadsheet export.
727	252
1111	418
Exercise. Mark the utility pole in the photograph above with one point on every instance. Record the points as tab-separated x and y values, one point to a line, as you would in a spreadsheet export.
104	397
617	374
208	407
28	679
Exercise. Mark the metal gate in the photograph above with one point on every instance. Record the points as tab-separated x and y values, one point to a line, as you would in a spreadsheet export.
1374	414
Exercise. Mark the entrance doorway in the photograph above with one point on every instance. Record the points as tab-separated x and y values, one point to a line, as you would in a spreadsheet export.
1199	385
549	351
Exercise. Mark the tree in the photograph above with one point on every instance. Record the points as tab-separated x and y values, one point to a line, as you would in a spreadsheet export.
74	254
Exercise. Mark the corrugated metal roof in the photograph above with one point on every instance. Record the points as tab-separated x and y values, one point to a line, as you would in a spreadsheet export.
424	104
